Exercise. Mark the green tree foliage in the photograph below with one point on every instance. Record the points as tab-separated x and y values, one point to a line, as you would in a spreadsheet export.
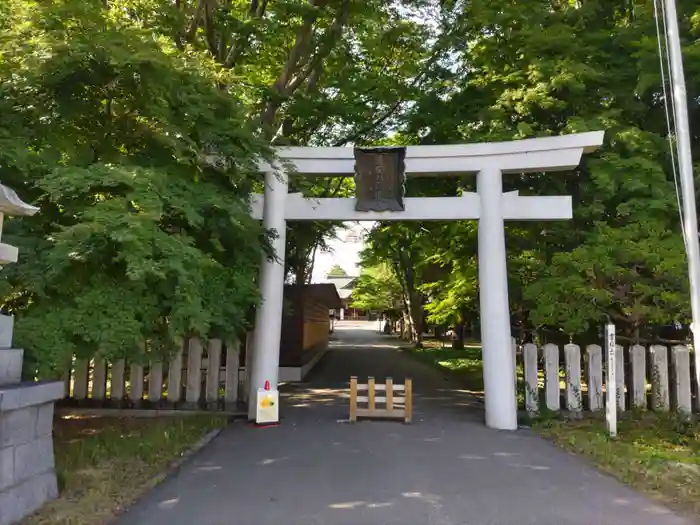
313	72
142	167
134	125
377	289
544	68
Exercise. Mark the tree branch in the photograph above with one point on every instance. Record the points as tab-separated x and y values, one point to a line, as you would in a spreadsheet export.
279	88
260	11
256	9
286	84
192	30
332	35
395	106
209	34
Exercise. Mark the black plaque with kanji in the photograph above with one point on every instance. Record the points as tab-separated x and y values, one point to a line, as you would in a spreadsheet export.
379	179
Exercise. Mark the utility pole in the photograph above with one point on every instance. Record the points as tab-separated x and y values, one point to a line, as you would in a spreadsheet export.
685	163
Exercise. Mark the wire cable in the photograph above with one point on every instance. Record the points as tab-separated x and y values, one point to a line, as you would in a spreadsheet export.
670	129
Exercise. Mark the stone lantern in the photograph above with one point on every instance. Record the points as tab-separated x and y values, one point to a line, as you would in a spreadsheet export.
27	475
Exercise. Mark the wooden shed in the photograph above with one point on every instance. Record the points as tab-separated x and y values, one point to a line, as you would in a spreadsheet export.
306	327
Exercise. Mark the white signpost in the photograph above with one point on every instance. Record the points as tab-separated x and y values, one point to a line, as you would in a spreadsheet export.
611	381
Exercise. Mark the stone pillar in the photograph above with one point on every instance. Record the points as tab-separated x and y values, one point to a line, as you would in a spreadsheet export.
499	363
27	475
680	380
551	377
574	395
659	378
532	388
594	355
638	395
268	316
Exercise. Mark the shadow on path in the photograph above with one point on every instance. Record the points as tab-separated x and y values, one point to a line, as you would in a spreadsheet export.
357	350
444	469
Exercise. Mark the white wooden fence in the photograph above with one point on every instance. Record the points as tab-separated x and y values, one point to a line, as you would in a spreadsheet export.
194	378
656	378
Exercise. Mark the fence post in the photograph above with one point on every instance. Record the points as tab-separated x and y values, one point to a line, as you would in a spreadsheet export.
116	395
389	393
353	399
532	384
136	379
194	371
572	357
595	377
214	367
680	358
99	379
638	360
80	381
551	377
232	366
620	377
408	400
155	381
175	375
659	378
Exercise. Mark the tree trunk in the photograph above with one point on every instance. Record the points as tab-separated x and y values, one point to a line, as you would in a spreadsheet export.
414	303
458	343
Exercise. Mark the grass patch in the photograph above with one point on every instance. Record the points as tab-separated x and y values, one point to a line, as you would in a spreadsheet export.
104	464
656	453
464	363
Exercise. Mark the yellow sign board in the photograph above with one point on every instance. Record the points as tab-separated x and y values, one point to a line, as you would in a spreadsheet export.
267	406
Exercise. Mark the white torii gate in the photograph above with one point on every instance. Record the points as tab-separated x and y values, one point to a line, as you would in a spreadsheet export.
489	205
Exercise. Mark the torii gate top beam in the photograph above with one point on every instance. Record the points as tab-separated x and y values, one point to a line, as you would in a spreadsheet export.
518	156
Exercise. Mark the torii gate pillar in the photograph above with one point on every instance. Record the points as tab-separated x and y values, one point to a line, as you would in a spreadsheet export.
497	354
264	365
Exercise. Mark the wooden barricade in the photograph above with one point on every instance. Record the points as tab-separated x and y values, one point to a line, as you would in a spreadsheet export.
394	407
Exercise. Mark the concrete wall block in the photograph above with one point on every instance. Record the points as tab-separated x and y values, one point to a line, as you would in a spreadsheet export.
17	426
44	420
11	366
30	394
35	457
7	467
23	499
7	324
